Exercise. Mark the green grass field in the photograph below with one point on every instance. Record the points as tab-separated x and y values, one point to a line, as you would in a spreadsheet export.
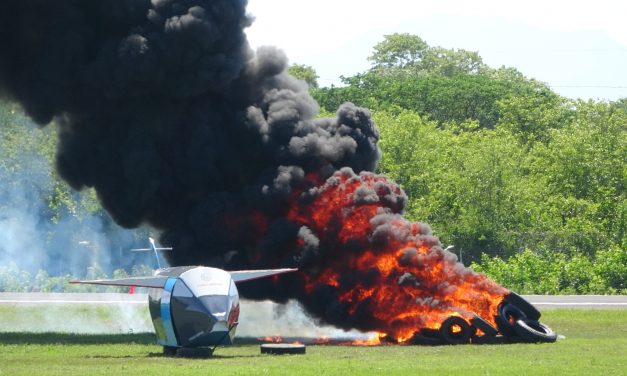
595	344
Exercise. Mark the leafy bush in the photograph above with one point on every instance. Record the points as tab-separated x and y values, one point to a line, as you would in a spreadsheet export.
611	267
14	280
556	273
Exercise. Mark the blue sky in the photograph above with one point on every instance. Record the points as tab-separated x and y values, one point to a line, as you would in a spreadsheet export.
579	48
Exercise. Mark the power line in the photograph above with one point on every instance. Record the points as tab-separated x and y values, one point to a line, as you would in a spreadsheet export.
554	86
590	86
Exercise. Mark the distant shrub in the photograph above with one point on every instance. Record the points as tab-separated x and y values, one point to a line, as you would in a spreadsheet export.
14	280
531	272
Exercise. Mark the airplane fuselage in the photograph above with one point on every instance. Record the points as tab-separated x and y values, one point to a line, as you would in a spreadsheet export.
197	307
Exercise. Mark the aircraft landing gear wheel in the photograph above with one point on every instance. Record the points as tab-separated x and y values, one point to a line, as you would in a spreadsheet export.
194	352
169	350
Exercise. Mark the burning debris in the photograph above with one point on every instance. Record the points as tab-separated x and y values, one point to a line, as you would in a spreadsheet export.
282	348
516	321
164	109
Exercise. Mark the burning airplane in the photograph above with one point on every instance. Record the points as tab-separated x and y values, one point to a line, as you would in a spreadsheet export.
192	307
163	108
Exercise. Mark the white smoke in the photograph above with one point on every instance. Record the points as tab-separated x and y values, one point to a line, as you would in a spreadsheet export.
124	313
106	313
25	177
37	230
269	319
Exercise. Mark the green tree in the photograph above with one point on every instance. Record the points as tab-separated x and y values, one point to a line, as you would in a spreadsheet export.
398	51
582	179
445	85
531	117
410	52
450	62
305	73
486	192
466	184
28	153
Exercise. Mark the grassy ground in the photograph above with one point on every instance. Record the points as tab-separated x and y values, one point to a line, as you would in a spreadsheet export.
595	344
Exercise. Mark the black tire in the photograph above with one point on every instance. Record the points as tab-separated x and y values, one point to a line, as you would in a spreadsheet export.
388	339
428	340
534	331
486	328
452	337
515	339
169	350
507	316
529	310
282	348
489	340
431	333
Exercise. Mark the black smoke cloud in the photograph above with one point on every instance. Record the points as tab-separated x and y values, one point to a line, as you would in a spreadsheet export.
165	110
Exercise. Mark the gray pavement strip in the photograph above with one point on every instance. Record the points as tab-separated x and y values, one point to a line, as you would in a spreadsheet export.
541	301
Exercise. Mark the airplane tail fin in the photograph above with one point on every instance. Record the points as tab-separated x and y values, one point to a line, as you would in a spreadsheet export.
153	248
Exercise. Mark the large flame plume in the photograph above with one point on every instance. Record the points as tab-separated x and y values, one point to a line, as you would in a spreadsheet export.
382	272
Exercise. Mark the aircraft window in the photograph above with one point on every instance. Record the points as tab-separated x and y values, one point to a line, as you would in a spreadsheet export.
181	290
216	304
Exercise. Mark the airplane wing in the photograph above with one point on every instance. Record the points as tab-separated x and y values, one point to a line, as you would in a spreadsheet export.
247	275
154	282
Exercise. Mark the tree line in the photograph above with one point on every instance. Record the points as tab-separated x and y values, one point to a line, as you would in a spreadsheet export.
527	185
13	279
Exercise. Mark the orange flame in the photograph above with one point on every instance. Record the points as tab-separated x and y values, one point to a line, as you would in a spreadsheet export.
374	340
272	339
405	280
